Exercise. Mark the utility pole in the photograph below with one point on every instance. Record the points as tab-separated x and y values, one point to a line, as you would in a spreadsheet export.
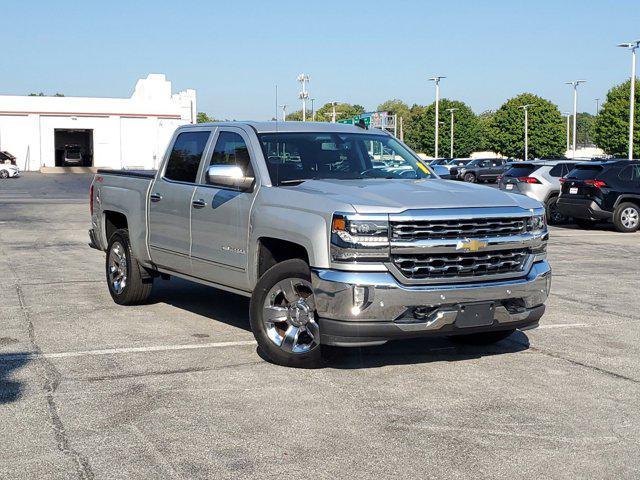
333	114
633	46
526	129
568	115
303	78
575	84
401	131
436	80
451	110
284	112
313	112
597	106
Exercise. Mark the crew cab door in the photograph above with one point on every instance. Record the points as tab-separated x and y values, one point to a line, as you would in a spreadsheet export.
220	215
170	202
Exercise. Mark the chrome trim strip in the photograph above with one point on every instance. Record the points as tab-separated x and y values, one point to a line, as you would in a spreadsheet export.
449	245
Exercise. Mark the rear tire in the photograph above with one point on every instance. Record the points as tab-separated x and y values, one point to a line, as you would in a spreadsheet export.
127	281
283	318
469	177
626	217
485	338
554	217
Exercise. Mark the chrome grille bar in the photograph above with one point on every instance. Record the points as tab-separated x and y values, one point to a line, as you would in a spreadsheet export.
464	228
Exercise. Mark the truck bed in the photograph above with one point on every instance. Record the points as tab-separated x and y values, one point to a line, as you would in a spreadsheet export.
150	174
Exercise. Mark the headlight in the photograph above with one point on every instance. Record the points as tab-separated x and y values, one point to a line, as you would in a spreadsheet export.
536	223
359	237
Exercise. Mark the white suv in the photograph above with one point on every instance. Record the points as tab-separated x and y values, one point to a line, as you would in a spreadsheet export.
8	171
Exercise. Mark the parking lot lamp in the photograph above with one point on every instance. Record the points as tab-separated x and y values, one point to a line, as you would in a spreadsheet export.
436	80
526	129
303	78
597	106
575	84
633	46
284	112
451	110
568	115
313	112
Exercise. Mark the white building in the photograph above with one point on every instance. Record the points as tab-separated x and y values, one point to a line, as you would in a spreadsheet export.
107	132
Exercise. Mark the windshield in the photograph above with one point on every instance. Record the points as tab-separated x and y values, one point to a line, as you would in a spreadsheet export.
293	157
522	170
585	172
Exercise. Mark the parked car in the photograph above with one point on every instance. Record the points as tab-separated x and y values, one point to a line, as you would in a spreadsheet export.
330	250
603	191
482	170
8	170
72	155
444	172
538	179
439	161
7	158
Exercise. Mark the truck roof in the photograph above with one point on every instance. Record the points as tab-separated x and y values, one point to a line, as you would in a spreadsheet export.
292	126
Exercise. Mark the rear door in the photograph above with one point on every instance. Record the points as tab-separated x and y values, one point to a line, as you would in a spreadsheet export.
511	179
220	215
170	201
582	182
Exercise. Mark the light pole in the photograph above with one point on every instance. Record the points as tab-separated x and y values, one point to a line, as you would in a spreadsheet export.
284	112
632	98
597	106
526	129
575	84
436	80
568	115
313	112
303	78
451	110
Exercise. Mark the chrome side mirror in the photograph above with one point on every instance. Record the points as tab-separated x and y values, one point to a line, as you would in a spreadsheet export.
228	176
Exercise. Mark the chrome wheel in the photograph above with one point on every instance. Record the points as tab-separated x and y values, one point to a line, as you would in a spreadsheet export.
4	174
289	316
117	267
630	218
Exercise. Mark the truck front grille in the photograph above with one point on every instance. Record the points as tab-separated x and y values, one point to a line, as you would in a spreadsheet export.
451	265
440	229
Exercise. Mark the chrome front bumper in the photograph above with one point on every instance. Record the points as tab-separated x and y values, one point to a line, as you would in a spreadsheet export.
365	308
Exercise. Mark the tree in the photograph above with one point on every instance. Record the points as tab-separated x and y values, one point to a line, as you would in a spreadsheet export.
420	130
202	117
396	107
484	123
611	129
546	128
344	111
584	129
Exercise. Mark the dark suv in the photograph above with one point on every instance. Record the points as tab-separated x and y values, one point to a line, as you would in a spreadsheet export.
603	191
482	169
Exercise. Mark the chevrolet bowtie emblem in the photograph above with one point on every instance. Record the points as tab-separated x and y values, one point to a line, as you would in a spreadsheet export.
471	245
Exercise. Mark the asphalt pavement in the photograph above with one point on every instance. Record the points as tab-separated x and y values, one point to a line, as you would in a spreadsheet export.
176	389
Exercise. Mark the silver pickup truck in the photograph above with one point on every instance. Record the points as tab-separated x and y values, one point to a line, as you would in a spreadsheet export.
340	236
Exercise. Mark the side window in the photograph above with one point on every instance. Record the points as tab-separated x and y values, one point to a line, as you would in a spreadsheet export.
558	171
635	174
484	164
497	163
626	173
185	156
567	168
231	149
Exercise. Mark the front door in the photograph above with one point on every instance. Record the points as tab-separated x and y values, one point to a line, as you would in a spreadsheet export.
170	202
220	216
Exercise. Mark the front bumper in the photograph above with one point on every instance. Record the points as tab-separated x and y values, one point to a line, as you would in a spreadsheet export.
583	208
384	309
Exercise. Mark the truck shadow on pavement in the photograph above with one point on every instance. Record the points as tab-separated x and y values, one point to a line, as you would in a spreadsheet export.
11	390
233	310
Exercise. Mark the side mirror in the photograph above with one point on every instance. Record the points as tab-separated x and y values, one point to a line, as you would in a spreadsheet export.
228	176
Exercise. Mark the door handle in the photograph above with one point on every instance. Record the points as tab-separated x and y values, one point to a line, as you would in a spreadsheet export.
198	203
155	197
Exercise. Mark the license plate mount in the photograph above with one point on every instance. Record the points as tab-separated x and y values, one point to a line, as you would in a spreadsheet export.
475	315
509	186
573	190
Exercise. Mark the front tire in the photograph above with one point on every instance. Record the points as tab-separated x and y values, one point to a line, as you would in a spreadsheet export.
626	217
283	318
469	177
4	174
485	338
125	277
554	217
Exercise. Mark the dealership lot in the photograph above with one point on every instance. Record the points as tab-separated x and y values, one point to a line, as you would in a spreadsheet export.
175	389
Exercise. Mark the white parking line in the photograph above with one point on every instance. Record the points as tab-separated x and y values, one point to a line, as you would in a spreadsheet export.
112	351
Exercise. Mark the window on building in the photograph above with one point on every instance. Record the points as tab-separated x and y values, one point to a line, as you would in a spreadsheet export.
185	156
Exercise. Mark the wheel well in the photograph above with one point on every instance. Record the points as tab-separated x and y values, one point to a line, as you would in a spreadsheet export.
634	200
114	221
275	250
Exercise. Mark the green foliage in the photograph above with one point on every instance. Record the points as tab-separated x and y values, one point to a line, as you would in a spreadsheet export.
505	130
396	107
420	129
585	129
484	123
611	129
202	117
323	114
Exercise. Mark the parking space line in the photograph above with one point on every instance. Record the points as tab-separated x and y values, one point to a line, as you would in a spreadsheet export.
112	351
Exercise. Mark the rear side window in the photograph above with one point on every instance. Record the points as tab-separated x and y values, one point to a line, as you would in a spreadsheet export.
630	173
231	149
585	172
557	171
520	170
185	156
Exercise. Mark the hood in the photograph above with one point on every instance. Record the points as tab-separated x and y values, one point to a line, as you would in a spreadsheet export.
393	196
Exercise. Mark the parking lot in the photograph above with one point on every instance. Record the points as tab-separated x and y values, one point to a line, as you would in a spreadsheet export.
175	389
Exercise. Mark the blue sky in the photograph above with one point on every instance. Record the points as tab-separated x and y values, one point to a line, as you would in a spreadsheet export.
234	52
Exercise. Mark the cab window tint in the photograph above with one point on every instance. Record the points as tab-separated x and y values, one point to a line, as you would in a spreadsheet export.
231	149
558	171
185	156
